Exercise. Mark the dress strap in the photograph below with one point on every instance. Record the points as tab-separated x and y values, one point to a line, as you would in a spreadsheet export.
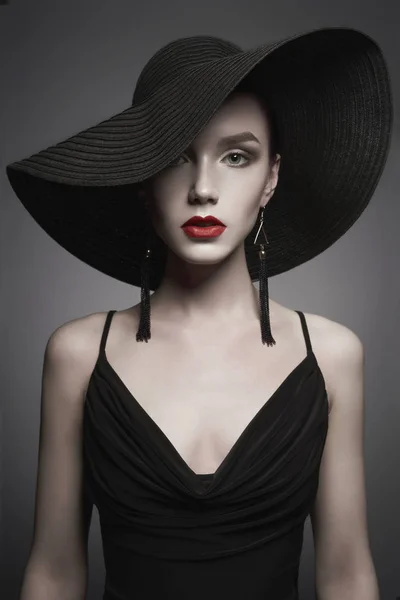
106	330
305	331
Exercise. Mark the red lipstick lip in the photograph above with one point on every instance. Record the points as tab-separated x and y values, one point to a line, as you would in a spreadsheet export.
208	219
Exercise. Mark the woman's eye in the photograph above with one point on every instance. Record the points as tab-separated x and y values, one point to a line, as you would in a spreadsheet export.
237	156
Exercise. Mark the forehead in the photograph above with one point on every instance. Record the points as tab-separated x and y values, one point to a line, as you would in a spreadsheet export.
240	111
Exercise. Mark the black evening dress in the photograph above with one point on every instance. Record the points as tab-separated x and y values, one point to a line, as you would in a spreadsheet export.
236	534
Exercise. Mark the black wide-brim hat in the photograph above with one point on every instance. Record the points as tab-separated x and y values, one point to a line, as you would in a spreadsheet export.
329	91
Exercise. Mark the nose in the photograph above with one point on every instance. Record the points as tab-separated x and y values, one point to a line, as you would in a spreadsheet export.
203	189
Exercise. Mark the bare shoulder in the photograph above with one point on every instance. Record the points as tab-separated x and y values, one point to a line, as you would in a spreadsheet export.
332	337
338	349
74	346
76	335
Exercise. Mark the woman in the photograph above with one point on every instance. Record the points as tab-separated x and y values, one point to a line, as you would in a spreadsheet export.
205	450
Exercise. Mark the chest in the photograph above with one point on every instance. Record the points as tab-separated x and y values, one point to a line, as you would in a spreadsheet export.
202	398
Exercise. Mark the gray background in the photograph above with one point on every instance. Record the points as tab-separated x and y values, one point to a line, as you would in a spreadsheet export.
68	65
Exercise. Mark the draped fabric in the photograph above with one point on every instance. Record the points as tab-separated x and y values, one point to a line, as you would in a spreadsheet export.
168	532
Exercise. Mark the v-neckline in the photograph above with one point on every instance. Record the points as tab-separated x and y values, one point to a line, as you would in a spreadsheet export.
196	478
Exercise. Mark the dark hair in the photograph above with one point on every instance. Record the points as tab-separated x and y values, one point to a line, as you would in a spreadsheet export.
246	85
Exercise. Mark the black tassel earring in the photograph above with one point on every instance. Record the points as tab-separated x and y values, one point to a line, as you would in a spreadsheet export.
143	333
266	335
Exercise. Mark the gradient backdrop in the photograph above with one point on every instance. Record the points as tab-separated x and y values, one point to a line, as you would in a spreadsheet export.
68	65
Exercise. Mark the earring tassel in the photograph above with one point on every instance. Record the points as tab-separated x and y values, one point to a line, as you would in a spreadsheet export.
266	335
143	333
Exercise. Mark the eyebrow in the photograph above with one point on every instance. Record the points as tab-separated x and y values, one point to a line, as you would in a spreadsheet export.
244	136
236	138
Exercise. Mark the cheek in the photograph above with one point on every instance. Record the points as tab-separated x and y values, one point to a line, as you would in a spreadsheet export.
245	184
170	207
244	195
169	183
164	212
166	196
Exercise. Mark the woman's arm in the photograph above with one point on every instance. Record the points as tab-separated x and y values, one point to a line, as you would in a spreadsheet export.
57	565
343	561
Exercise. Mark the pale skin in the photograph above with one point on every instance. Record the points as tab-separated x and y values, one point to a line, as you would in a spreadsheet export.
205	329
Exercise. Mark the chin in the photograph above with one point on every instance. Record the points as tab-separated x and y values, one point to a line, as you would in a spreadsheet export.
204	255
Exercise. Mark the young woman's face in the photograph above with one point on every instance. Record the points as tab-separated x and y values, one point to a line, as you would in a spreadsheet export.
228	179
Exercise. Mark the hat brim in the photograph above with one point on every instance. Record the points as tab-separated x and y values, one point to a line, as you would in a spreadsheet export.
331	97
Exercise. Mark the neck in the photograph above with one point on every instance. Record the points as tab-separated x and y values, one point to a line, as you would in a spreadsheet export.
204	295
